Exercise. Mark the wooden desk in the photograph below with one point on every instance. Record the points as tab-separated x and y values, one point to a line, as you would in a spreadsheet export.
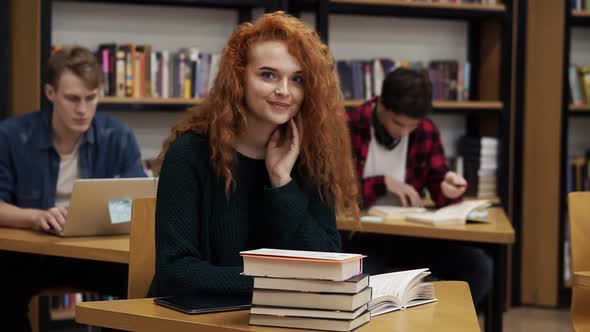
101	248
494	236
498	231
453	312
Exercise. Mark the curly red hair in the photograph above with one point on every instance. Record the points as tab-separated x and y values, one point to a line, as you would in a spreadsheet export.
325	155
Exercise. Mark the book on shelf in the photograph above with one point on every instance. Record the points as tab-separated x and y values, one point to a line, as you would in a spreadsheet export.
478	164
310	323
362	79
580	5
579	84
454	214
399	290
584	77
301	264
351	286
137	70
327	301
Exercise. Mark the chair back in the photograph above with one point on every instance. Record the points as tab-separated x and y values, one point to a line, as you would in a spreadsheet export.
579	219
142	247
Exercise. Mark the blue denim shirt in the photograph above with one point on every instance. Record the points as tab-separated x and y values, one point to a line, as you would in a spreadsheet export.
29	164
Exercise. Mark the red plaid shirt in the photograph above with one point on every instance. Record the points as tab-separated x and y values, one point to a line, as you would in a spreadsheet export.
426	165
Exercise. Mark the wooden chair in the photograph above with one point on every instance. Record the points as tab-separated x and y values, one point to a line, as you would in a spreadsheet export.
579	211
142	251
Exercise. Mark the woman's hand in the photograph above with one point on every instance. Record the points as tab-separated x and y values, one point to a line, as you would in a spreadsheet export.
281	154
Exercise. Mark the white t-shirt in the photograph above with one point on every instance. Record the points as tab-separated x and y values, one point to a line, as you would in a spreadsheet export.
67	175
383	162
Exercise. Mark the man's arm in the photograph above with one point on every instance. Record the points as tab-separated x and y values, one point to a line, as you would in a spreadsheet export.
438	169
40	220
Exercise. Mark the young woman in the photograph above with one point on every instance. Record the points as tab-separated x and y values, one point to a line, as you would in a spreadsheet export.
265	161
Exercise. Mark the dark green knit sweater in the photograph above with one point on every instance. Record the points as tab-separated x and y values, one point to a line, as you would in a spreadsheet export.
199	232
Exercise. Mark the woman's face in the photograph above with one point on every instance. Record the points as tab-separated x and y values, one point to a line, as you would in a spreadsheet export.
274	83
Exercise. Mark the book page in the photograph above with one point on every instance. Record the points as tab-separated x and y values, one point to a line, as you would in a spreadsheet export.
388	209
319	255
395	283
458	211
393	291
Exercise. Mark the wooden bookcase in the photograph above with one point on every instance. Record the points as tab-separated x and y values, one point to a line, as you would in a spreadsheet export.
573	19
489	51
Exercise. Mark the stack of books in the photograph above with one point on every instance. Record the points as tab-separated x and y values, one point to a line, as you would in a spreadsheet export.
308	290
325	290
479	160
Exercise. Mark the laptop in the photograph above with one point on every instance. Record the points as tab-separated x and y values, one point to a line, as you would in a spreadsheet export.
92	202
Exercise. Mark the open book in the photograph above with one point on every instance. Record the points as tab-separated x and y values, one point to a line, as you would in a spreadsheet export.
399	290
449	215
394	212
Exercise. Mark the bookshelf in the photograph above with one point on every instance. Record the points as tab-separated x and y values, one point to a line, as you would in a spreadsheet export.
450	106
243	8
489	47
575	19
429	5
146	104
181	104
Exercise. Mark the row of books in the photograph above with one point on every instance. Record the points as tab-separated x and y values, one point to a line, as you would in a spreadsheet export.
132	70
325	290
579	82
578	174
362	79
580	4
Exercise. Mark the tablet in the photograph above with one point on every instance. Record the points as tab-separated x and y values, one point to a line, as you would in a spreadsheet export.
205	303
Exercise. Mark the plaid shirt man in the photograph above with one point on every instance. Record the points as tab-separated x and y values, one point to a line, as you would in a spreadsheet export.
426	164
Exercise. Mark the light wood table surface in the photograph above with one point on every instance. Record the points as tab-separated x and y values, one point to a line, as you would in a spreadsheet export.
101	248
453	312
495	236
499	230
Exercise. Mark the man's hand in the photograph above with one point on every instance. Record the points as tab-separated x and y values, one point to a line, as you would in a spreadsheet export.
453	185
407	195
51	220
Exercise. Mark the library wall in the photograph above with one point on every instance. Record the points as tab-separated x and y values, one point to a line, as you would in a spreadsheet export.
166	27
